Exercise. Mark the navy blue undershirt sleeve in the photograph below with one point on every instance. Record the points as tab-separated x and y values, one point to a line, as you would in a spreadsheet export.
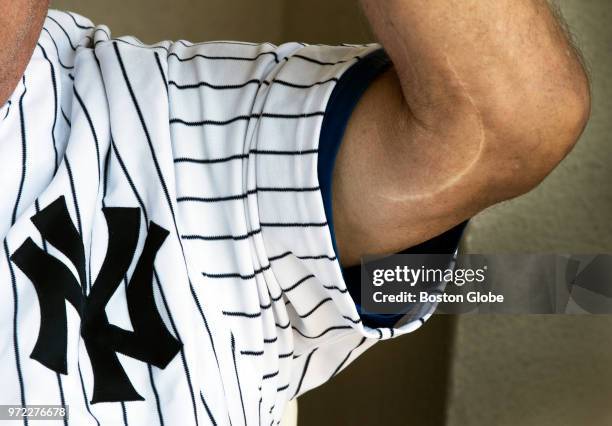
342	102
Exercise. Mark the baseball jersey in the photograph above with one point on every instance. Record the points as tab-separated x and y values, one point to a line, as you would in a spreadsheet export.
168	248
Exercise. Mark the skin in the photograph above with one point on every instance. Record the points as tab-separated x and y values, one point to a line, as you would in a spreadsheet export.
483	100
20	24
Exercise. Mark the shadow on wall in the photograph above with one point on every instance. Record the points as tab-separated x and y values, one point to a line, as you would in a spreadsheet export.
397	382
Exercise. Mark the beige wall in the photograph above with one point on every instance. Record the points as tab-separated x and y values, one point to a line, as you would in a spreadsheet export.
194	20
503	370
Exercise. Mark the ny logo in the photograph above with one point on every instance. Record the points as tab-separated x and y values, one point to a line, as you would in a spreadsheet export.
150	342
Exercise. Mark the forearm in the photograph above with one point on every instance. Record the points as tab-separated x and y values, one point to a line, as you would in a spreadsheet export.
20	25
451	53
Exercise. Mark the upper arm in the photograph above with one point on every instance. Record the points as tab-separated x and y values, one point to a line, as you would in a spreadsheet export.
485	106
396	183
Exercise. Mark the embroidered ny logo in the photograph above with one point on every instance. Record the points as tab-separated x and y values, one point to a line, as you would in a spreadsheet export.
150	342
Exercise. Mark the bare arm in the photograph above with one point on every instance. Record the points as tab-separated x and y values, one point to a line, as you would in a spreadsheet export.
20	25
483	101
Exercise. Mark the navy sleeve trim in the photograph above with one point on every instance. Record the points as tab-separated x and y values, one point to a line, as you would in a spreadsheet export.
343	100
347	92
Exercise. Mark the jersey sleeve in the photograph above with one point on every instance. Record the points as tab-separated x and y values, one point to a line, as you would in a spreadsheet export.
323	299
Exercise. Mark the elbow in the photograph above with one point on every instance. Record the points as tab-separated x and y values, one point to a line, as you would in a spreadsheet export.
532	130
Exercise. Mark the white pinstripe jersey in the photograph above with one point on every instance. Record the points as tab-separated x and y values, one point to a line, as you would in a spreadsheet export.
183	174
